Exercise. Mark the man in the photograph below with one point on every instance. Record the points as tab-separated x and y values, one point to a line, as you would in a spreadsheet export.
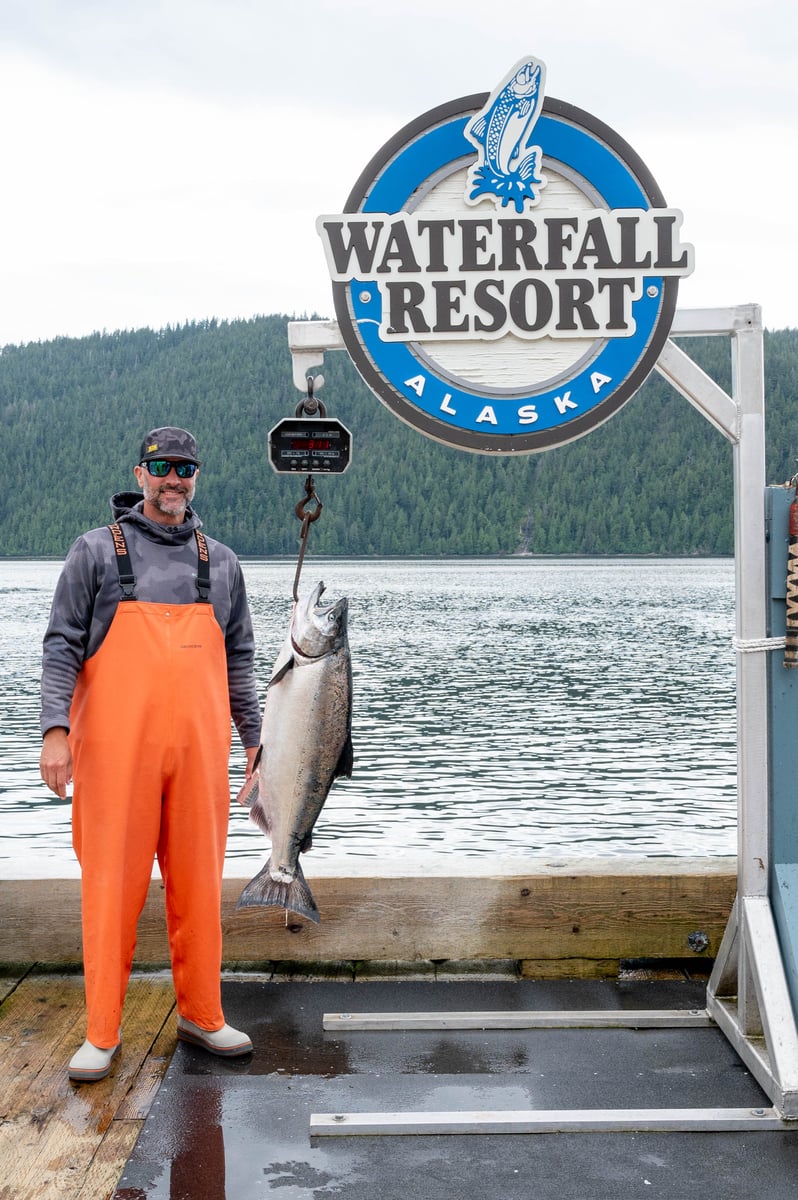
148	652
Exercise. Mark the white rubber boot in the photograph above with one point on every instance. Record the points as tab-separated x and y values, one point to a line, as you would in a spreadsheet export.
91	1062
229	1042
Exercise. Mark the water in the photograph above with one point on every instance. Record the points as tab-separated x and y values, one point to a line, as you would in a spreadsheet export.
556	708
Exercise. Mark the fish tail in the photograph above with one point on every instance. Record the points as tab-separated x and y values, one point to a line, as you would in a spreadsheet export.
296	896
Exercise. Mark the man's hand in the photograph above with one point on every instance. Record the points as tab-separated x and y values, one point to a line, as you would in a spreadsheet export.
251	753
55	763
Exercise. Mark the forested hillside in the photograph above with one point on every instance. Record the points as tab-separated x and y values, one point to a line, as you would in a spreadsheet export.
656	479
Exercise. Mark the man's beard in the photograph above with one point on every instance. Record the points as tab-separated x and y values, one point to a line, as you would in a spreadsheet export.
169	501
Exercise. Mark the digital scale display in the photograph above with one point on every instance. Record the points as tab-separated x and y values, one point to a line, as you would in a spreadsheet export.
319	445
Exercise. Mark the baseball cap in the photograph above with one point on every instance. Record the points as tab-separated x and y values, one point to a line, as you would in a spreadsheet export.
169	442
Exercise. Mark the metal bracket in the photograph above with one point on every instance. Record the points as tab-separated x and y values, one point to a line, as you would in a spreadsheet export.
307	341
749	998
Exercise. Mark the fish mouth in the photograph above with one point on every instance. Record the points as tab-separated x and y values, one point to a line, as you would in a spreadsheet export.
318	627
525	82
330	608
307	603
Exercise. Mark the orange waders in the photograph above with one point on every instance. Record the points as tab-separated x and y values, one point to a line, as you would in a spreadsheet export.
151	742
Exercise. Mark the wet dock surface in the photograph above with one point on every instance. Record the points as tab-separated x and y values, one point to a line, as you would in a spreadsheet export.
222	1129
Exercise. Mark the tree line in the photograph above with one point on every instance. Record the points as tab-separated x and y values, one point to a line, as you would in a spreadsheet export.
656	479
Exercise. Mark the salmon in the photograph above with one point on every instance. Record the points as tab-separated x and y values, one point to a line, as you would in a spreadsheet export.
306	744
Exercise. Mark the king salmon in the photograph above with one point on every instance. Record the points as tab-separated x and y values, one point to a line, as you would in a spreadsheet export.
305	744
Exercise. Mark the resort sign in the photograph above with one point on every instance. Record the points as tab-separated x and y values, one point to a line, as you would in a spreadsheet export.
505	270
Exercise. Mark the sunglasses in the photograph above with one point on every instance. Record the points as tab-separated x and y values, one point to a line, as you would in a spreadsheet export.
160	468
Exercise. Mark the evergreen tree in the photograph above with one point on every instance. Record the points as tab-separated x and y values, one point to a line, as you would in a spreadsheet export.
656	479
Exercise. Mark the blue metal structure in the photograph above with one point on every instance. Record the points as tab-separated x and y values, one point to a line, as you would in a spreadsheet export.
783	730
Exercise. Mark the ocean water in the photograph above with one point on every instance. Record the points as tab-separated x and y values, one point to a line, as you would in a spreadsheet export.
533	707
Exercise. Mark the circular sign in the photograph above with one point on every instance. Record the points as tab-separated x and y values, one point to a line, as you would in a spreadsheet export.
499	295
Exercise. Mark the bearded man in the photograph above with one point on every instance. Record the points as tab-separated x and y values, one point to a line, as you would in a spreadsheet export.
148	653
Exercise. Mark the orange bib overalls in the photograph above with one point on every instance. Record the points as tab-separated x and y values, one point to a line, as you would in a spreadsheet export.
150	736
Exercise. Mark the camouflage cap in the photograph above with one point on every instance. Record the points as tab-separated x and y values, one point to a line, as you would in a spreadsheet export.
168	442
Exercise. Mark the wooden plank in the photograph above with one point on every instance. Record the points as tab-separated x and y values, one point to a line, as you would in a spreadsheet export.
542	916
138	1101
108	1162
41	920
53	1131
544	913
11	975
41	1024
36	1021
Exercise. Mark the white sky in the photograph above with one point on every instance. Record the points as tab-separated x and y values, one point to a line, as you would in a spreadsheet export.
165	160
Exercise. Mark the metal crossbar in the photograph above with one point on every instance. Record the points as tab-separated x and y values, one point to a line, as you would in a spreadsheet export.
589	1120
587	1019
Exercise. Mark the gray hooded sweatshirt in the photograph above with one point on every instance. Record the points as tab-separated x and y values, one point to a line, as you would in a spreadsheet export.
164	563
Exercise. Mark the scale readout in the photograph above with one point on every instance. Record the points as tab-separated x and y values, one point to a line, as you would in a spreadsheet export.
320	445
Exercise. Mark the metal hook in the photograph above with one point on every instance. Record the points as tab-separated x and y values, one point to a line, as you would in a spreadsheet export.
311	403
307	518
301	509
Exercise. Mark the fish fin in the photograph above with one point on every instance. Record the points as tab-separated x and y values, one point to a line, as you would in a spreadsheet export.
281	672
259	815
296	897
346	760
249	792
528	167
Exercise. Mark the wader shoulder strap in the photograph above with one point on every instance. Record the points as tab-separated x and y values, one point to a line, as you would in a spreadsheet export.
203	568
127	580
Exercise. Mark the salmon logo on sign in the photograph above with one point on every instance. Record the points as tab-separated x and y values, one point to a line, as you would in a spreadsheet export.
505	271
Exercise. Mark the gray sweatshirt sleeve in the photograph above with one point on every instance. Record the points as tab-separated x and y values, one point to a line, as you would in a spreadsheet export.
67	636
240	647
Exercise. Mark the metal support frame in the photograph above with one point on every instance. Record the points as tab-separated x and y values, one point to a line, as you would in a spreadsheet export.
606	1120
748	995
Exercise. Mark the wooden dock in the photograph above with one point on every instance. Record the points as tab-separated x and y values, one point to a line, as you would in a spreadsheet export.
594	918
59	1141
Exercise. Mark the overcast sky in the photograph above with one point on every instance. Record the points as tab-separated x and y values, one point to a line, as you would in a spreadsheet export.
165	160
